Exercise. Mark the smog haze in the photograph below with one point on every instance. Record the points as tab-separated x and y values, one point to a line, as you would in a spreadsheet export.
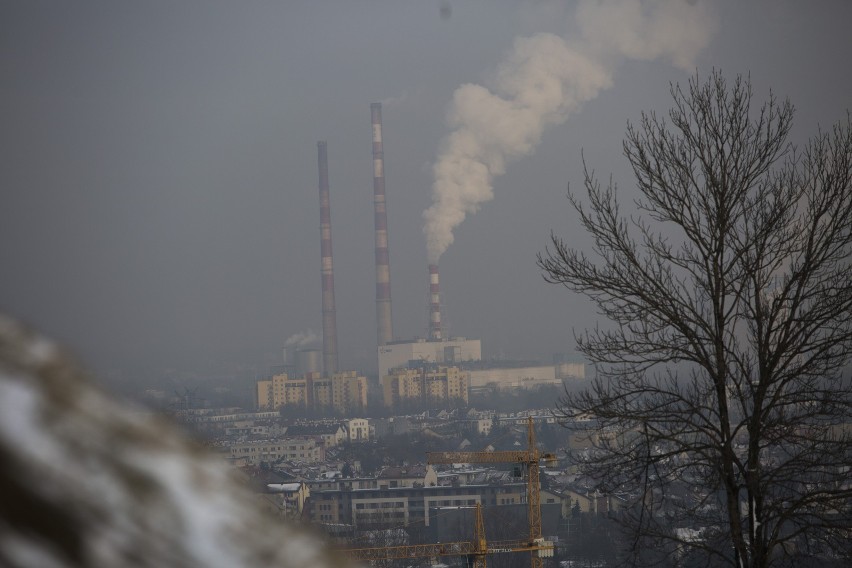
159	159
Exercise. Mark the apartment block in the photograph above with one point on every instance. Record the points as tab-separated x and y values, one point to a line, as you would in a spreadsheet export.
427	383
345	391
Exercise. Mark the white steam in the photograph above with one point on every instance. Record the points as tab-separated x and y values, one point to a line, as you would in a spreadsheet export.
542	81
647	29
301	339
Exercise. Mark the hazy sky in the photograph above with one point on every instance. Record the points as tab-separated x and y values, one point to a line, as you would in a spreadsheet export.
159	166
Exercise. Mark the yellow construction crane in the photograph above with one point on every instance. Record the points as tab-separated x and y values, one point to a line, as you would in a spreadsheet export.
475	549
530	458
478	548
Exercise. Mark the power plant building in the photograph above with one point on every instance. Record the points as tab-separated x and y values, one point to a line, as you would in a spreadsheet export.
345	391
448	352
413	369
526	377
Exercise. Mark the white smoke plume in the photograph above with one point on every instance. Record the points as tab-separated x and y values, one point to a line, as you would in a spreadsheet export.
543	80
302	339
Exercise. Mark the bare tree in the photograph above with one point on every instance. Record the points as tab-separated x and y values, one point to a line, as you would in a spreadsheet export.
721	402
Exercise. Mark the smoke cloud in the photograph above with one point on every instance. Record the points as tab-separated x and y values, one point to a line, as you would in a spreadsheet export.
302	339
542	81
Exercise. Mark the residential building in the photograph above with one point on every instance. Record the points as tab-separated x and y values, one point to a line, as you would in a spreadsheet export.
413	476
328	434
345	391
286	499
271	451
426	383
393	506
393	426
359	429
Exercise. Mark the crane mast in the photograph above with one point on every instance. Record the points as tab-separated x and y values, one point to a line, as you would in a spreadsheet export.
530	458
475	549
478	548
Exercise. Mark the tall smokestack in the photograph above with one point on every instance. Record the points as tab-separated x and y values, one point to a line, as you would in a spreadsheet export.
434	303
383	294
329	319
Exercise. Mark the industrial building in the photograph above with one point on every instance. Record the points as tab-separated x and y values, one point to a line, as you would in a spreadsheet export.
391	353
415	358
505	377
447	352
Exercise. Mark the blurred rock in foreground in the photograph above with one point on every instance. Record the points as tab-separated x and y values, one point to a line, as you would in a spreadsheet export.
88	482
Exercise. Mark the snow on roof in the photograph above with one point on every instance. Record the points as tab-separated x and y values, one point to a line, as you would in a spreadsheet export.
283	487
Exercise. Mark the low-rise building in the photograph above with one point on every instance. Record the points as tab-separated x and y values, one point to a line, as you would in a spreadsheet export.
383	507
412	476
329	434
393	426
286	499
359	430
271	451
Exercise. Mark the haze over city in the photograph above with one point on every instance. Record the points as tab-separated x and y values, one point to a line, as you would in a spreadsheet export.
159	160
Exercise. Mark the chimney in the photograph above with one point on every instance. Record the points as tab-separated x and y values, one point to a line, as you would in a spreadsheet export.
434	303
383	294
329	319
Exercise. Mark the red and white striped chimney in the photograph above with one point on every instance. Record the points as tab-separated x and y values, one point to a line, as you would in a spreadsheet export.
434	303
383	294
329	319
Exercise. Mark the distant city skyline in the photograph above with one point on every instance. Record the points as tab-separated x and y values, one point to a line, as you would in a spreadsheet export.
159	161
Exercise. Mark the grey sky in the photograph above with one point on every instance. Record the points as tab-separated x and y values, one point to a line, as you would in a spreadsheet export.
159	177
